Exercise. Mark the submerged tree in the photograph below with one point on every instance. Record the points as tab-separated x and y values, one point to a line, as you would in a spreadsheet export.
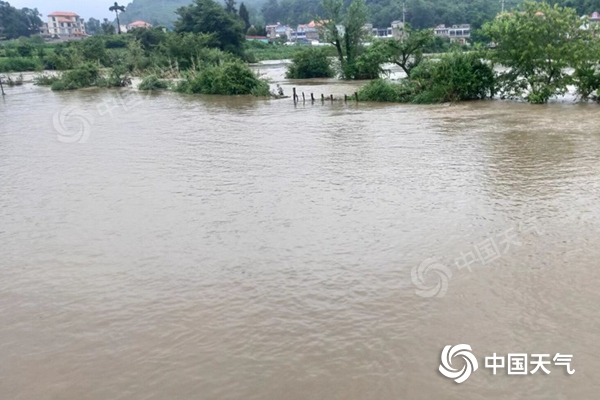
537	45
408	52
345	30
116	8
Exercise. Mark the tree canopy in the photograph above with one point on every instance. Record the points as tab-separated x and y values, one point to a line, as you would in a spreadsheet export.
537	44
208	16
15	23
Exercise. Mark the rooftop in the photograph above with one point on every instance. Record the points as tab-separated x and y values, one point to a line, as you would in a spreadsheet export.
63	14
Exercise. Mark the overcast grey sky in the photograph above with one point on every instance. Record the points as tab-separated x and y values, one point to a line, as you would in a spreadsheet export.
85	8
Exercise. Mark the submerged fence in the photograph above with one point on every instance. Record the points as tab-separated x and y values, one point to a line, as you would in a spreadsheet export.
323	98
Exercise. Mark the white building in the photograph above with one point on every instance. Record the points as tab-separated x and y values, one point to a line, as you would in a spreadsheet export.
65	24
456	33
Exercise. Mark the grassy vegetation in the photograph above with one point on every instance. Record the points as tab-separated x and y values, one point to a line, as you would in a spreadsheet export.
153	82
110	61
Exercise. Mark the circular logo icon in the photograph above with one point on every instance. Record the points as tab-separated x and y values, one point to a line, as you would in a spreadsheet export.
464	351
443	276
73	125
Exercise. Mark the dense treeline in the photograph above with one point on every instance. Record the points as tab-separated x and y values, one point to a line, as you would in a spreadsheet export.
15	23
420	13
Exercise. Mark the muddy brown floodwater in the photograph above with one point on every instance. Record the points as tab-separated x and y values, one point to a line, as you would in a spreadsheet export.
198	247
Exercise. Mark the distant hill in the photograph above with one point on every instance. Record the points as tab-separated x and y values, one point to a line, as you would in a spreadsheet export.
161	12
420	13
156	12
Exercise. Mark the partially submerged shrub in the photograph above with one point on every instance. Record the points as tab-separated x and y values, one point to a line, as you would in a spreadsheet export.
18	81
231	78
45	79
85	76
116	77
455	77
152	82
310	63
386	91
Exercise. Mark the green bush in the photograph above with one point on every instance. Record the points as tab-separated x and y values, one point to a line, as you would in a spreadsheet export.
85	76
386	91
230	78
115	41
455	77
152	82
19	64
368	64
93	50
117	76
45	80
310	63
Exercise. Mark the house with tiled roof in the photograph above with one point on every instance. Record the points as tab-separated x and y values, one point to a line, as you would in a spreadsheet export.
138	24
66	24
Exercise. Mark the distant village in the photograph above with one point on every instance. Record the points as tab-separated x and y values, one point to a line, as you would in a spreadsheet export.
69	25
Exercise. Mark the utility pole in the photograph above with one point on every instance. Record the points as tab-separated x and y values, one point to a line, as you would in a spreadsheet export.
502	1
403	20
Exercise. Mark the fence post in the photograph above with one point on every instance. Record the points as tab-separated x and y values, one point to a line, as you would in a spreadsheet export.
294	90
312	97
356	96
303	98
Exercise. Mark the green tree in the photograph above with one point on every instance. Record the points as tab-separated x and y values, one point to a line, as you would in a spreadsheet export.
230	6
345	31
116	8
407	53
252	31
92	27
536	45
245	16
207	16
107	27
310	63
16	23
586	76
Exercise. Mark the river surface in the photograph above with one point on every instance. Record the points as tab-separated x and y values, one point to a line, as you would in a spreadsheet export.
166	246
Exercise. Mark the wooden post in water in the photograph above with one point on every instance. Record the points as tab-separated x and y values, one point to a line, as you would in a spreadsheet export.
303	98
331	97
322	97
295	97
356	96
345	98
2	87
312	98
